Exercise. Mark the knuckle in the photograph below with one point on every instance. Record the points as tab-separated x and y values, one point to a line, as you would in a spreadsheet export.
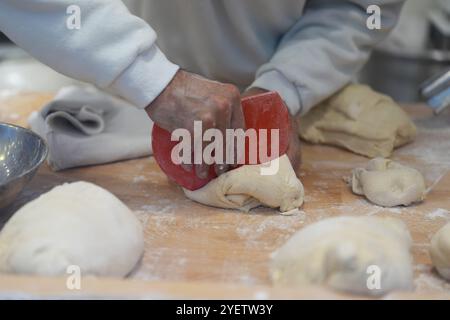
233	91
224	106
207	118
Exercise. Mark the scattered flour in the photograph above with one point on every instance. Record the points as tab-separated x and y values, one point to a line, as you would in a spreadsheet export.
428	282
7	93
356	207
431	146
394	210
14	116
138	179
292	212
161	206
248	279
252	231
438	214
157	209
422	268
261	295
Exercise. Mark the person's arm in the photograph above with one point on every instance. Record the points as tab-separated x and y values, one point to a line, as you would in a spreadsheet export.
116	51
113	50
324	50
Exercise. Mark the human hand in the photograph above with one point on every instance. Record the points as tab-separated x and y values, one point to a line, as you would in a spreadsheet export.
190	97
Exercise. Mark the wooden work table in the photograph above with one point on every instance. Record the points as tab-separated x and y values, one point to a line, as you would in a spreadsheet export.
194	251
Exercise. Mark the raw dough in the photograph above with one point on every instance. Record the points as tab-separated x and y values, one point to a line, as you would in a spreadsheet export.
245	188
73	224
388	183
360	120
338	252
440	251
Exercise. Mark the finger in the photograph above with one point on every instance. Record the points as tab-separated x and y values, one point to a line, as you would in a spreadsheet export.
202	168
237	122
237	116
224	114
186	167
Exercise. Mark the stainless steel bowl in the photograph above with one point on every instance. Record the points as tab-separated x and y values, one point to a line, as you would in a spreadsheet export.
21	154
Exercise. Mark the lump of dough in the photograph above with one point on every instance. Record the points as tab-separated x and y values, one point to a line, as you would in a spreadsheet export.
77	224
245	188
388	183
440	251
360	120
342	252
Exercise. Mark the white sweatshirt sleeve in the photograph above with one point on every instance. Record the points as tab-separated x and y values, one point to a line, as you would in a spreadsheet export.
324	50
113	49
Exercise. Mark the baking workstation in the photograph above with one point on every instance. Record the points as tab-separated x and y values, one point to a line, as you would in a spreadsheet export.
258	155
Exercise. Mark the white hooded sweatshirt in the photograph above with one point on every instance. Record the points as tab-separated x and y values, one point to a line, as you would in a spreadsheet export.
305	50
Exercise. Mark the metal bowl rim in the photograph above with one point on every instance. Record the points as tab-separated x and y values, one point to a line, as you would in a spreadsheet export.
38	164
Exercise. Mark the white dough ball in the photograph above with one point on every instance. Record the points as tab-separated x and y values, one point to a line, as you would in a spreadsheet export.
73	224
440	251
388	183
342	253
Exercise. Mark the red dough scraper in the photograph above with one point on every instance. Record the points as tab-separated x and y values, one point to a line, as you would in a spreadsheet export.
263	111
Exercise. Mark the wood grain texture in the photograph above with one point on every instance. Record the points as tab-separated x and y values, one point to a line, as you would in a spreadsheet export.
194	251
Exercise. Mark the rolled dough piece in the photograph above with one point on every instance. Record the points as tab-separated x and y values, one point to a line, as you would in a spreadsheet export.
344	253
440	251
388	183
360	120
76	224
245	188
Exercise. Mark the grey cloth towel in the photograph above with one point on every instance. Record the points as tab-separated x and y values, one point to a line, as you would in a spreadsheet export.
85	126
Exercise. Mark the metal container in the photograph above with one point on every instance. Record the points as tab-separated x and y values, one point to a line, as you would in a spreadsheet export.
400	75
21	154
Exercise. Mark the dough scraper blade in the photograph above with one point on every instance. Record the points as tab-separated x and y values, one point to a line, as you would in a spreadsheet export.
263	111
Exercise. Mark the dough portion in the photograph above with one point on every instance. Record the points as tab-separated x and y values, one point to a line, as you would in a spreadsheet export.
245	188
388	183
338	252
360	120
73	224
440	251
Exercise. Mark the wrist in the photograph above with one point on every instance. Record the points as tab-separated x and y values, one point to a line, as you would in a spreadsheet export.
145	78
160	97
